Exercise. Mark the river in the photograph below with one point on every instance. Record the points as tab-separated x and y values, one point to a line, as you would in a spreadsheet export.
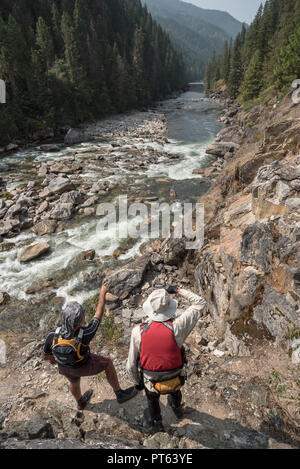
191	121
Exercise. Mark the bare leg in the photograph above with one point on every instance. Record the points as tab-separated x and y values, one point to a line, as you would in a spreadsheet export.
75	390
112	377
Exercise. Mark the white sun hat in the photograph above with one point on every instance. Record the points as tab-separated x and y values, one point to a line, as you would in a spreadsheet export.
159	306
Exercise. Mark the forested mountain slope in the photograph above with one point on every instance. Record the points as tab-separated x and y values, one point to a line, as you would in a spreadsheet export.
265	58
70	60
221	19
192	31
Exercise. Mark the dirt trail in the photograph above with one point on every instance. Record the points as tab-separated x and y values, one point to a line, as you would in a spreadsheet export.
226	400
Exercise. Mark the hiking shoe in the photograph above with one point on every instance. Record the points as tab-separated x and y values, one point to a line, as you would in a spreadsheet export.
150	425
85	399
178	411
126	395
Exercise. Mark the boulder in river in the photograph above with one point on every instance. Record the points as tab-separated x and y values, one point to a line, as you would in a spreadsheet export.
11	147
8	225
39	286
50	148
44	227
76	136
34	251
62	211
221	148
58	185
4	298
85	256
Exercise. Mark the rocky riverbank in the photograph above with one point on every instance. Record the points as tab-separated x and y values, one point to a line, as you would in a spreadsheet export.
243	371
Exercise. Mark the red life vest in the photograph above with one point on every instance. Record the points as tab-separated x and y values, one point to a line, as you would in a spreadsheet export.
159	351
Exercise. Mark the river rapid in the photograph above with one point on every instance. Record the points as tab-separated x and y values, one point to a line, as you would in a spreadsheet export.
144	155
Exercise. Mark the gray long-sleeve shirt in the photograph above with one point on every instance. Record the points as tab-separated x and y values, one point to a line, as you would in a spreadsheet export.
183	326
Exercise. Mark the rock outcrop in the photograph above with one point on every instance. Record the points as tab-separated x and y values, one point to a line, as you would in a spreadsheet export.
248	267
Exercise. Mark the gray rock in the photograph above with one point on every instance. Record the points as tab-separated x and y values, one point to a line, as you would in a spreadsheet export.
64	419
36	428
44	227
296	357
63	443
87	212
282	191
257	246
245	289
295	344
293	203
75	136
7	226
161	440
90	201
15	210
5	247
295	185
256	394
274	130
122	282
235	346
99	186
50	148
59	185
221	148
39	286
85	256
276	313
42	208
246	439
11	147
62	211
4	298
173	251
73	197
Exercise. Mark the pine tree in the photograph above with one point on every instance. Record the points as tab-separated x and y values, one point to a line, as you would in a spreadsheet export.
69	60
44	42
236	68
56	27
252	83
139	66
288	66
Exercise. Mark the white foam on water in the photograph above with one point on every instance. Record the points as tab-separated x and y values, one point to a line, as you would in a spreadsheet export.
16	277
192	157
79	297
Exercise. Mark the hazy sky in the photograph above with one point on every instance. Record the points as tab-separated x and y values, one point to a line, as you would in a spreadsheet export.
243	10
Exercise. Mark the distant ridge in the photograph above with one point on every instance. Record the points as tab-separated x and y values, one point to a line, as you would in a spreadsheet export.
196	31
219	18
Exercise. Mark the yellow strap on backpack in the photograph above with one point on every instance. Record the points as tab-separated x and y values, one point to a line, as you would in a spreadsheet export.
166	387
74	343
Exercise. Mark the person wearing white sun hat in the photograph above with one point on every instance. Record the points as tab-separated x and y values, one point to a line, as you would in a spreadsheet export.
156	355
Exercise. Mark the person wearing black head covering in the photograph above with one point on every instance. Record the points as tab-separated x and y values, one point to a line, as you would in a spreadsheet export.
73	320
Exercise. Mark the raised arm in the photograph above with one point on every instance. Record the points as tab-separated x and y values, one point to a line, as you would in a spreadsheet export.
184	324
101	303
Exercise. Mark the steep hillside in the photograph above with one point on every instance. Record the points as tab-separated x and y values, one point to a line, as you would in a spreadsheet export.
263	60
221	19
68	61
191	32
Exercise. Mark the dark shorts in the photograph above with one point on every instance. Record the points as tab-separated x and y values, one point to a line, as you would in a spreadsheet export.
95	365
